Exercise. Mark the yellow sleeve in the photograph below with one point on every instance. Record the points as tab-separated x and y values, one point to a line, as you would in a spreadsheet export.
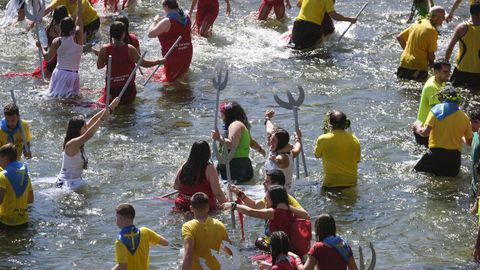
405	34
318	148
120	252
431	40
293	202
153	237
3	181
26	129
187	232
329	6
430	120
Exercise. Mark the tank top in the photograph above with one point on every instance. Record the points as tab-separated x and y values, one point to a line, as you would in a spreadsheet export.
186	191
282	221
468	59
72	166
122	66
69	54
288	171
243	148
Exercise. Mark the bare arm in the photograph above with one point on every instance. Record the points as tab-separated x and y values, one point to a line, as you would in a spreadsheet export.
228	7
339	17
256	213
300	212
79	23
246	199
158	26
52	50
102	57
120	266
351	265
430	3
176	184
298	145
310	263
212	177
454	7
192	7
135	56
163	241
431	58
188	245
256	146
460	31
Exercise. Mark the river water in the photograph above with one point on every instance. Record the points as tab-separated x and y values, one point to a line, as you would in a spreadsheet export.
415	221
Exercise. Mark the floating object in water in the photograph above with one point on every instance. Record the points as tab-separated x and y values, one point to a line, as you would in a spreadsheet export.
182	123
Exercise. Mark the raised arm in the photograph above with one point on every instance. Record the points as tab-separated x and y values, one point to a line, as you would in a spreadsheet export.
52	50
192	7
298	145
454	7
79	23
159	25
460	31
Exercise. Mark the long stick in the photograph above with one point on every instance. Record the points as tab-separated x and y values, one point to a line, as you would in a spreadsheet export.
229	179
40	52
132	74
350	25
297	127
22	132
109	76
165	57
169	194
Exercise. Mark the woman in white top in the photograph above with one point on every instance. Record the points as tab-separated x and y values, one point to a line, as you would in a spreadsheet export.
281	152
65	81
74	158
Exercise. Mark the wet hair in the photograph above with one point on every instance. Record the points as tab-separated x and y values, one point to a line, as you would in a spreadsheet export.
278	194
282	137
117	29
277	177
199	200
325	227
279	243
338	120
171	4
194	169
11	109
474	114
126	23
9	151
234	112
74	126
67	25
125	210
475	9
439	64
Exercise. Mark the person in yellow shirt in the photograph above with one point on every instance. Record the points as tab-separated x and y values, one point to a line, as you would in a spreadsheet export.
314	21
201	235
91	20
132	245
15	189
419	44
446	125
11	131
467	34
339	151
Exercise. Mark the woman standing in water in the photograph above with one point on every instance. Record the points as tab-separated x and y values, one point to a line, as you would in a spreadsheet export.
168	29
68	48
237	129
207	12
74	158
197	174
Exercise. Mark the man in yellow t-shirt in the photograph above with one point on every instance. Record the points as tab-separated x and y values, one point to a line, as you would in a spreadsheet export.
90	16
314	21
419	43
201	235
132	246
446	125
11	131
339	151
467	35
15	189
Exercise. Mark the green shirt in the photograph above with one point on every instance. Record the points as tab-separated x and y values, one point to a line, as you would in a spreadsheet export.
429	98
243	148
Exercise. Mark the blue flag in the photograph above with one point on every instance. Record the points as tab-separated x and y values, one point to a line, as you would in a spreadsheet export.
130	237
340	245
17	174
10	132
443	110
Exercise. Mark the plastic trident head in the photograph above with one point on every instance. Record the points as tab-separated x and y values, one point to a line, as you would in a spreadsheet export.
35	10
220	80
374	258
292	103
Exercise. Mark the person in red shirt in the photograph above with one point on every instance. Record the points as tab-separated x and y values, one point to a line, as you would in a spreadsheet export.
207	12
124	57
197	174
330	252
130	38
167	30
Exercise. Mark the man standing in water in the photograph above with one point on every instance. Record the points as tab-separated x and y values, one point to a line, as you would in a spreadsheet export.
201	235
11	131
132	246
467	34
313	21
15	189
419	43
339	151
441	71
446	125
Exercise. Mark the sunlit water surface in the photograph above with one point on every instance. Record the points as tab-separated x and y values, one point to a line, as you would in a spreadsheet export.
415	221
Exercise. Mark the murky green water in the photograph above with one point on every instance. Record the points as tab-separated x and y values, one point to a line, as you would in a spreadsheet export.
415	221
